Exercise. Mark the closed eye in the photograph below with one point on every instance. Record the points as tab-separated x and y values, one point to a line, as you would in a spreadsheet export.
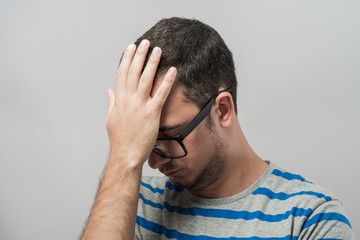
168	134
168	128
170	131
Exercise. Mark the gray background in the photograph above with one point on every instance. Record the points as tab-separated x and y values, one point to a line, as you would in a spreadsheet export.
299	96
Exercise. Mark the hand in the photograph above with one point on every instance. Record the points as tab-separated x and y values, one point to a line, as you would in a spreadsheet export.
133	116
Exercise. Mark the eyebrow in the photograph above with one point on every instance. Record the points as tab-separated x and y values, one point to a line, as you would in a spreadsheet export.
168	128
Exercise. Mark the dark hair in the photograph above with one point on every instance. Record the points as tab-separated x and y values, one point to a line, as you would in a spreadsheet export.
203	61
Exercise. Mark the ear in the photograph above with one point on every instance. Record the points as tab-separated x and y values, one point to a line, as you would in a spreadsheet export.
224	109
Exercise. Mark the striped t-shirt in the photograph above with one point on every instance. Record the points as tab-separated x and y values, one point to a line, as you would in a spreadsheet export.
279	205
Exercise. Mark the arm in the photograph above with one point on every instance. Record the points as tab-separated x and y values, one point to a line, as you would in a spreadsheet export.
132	123
328	221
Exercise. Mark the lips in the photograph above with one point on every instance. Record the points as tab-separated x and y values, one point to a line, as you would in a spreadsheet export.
170	173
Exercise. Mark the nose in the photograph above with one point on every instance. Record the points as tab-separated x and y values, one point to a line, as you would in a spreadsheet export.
155	160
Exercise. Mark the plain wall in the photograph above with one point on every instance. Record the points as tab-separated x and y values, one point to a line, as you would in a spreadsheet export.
298	97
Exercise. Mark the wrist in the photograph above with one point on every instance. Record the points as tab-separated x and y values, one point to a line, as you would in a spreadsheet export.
126	161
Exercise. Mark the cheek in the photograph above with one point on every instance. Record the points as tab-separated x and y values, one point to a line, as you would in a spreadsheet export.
199	144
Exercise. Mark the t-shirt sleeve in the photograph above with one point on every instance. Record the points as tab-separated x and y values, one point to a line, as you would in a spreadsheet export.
327	221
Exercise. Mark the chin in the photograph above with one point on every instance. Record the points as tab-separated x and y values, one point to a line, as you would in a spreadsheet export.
178	181
196	184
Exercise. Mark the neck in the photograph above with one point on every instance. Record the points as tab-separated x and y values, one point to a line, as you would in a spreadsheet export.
243	167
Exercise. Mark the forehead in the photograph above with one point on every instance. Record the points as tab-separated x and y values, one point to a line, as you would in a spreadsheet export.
176	109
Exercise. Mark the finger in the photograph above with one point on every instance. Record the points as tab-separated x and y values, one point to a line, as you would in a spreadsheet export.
111	103
165	86
137	65
147	78
124	67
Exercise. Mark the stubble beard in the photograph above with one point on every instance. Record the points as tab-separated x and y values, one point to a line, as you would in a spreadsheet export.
212	171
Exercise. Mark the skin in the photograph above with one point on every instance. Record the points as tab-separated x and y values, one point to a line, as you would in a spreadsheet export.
132	123
191	174
226	143
220	162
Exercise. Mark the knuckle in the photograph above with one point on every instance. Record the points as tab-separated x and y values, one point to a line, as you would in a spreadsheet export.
141	51
156	106
145	78
128	53
153	60
120	72
148	113
133	70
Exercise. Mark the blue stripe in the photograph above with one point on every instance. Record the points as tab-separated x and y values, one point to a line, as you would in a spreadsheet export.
154	190
150	203
331	216
229	214
284	196
289	176
171	233
169	185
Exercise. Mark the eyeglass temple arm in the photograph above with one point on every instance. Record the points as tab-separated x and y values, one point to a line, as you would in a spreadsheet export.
198	119
201	115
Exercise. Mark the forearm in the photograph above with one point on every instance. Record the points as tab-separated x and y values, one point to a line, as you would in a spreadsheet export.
114	212
132	123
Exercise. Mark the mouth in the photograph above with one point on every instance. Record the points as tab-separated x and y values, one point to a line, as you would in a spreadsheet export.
170	173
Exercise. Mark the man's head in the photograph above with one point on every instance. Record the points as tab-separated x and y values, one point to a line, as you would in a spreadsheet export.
203	61
206	144
204	66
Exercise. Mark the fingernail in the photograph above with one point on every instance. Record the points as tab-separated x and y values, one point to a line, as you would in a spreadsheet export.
144	43
156	51
131	47
172	71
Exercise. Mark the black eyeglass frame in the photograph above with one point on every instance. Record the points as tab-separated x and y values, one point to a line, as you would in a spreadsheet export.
205	111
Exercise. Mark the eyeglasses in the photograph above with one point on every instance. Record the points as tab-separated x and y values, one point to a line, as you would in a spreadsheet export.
173	147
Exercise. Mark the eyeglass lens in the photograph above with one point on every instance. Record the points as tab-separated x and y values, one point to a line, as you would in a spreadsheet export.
170	148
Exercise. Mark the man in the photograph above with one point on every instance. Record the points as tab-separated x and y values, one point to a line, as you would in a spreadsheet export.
179	113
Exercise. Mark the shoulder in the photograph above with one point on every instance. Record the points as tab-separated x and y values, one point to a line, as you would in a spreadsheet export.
319	209
286	185
282	190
